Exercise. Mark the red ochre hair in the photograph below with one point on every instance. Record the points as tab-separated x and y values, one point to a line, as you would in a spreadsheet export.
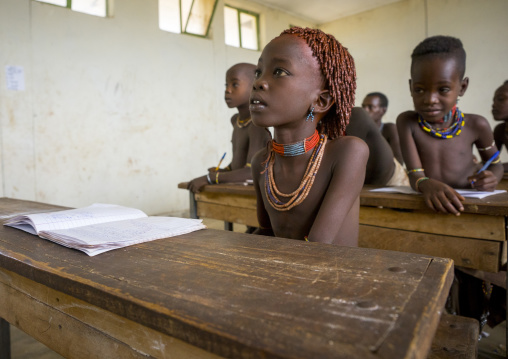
338	68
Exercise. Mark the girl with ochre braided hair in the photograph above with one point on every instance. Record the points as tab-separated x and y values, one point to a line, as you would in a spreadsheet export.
309	178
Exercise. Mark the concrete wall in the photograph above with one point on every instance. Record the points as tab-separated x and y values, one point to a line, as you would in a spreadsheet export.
381	41
115	110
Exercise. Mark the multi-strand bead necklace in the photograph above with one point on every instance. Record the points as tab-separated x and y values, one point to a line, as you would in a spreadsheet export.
445	133
316	141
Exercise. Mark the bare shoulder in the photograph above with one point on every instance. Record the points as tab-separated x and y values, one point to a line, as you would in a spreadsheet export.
348	146
233	119
405	117
476	120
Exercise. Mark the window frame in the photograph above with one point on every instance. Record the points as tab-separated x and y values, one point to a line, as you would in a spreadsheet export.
251	13
69	6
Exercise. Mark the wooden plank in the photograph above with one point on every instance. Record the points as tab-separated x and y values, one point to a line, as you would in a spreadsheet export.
224	199
456	337
465	225
82	330
496	205
466	252
232	214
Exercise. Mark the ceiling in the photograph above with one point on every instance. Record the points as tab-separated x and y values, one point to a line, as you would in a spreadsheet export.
323	11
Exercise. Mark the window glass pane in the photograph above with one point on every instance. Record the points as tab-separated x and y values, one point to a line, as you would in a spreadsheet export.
186	9
249	31
169	15
231	27
200	16
92	7
55	2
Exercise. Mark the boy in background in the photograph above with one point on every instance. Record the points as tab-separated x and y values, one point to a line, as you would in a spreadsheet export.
437	138
247	138
376	104
500	113
436	141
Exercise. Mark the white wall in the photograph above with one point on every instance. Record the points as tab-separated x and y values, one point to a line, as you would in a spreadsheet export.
115	110
381	41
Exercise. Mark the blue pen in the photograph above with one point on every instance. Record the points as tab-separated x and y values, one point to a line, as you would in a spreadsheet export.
217	168
487	164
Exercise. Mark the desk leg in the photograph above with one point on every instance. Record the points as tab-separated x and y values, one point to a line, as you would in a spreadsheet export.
192	205
5	339
228	226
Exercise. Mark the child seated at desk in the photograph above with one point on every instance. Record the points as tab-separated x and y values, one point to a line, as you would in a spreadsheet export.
383	169
309	178
247	139
500	113
437	138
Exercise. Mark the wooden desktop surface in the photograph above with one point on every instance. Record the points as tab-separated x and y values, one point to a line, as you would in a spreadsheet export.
231	294
476	239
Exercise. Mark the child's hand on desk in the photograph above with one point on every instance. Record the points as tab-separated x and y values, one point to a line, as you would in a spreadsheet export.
483	181
440	197
197	183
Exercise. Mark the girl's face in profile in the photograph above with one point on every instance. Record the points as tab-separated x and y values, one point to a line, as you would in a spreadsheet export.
288	80
500	104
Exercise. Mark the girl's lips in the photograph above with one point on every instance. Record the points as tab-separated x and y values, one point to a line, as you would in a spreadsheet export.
256	105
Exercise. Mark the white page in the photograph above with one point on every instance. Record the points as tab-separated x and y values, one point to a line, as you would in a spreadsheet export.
468	193
96	213
98	238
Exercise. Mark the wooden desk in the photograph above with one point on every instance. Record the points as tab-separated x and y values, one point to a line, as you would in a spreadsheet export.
476	239
221	293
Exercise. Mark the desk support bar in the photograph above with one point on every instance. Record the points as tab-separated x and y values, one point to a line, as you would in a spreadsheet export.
192	206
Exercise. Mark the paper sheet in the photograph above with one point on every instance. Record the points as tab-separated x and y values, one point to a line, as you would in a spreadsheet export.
468	193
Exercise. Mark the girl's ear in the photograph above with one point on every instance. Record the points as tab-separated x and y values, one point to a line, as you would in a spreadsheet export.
463	86
324	102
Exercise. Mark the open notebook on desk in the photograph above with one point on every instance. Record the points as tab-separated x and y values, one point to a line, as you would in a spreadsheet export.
102	227
468	193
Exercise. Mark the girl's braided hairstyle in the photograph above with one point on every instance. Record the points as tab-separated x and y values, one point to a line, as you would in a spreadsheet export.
338	68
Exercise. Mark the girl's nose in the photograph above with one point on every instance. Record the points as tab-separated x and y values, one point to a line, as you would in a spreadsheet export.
259	84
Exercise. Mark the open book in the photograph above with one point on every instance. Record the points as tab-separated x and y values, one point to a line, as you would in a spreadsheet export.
102	227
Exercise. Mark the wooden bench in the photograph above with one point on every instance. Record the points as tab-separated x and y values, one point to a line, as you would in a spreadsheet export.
456	337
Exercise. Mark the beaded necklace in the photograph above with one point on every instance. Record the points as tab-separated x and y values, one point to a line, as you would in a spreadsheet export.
296	148
242	123
454	130
298	196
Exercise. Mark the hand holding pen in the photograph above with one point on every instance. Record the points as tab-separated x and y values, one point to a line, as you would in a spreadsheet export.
487	178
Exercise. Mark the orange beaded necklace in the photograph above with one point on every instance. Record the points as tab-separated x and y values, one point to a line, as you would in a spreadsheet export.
296	148
298	196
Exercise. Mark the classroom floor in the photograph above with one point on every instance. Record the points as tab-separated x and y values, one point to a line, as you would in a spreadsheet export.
23	346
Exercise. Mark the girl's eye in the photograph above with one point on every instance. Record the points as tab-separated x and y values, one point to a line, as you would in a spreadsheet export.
280	72
235	84
418	90
444	89
257	73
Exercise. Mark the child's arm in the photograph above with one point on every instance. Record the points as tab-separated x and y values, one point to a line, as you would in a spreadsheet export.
488	179
265	226
394	141
499	138
348	173
437	195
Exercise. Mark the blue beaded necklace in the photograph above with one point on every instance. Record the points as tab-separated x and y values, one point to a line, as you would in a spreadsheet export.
454	130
